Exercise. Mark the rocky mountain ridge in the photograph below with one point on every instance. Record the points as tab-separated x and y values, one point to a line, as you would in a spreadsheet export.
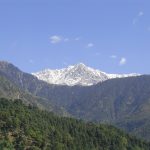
78	74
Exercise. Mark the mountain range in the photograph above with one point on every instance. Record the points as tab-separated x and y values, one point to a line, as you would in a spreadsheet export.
123	102
78	74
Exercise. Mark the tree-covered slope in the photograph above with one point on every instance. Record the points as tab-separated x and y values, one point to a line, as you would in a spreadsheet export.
26	127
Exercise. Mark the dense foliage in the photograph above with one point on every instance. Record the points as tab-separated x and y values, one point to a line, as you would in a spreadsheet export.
26	127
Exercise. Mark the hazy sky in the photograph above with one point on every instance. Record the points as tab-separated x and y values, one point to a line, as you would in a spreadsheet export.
110	35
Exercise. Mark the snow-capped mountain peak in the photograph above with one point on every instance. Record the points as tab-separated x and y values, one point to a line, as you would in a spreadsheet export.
79	74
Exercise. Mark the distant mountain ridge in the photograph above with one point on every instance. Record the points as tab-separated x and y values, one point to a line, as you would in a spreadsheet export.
78	74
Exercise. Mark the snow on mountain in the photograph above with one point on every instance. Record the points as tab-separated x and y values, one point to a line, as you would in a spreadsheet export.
78	74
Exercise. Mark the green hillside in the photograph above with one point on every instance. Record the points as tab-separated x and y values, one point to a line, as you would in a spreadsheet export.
26	127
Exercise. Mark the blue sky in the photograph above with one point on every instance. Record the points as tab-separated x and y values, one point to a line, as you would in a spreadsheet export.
110	35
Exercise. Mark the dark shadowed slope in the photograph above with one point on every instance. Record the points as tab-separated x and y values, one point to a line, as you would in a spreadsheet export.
11	86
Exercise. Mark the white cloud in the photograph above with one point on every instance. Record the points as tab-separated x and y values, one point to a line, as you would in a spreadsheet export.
113	56
55	39
122	61
141	13
89	45
136	19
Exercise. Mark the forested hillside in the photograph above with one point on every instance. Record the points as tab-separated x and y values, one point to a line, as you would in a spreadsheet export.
26	127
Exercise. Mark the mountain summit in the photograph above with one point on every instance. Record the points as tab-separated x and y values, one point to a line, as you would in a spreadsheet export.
79	74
